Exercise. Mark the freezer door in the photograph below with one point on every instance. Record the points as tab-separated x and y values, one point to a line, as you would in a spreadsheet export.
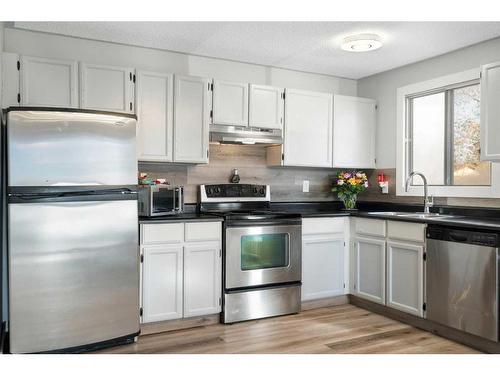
73	272
50	148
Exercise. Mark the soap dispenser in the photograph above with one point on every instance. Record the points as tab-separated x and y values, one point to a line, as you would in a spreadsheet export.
235	178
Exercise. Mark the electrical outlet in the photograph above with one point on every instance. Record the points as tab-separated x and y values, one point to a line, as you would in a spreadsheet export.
305	186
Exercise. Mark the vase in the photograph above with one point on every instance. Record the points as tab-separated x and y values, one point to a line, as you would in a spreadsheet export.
349	201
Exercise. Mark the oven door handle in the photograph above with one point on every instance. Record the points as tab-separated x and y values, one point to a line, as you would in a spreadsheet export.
253	223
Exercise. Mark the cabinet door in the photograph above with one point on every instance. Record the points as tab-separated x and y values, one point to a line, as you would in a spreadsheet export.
490	112
354	127
202	278
405	268
10	80
308	128
369	273
192	102
322	266
230	104
48	82
106	88
266	107
154	107
162	282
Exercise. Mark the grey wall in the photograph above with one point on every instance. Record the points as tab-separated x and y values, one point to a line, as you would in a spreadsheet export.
383	86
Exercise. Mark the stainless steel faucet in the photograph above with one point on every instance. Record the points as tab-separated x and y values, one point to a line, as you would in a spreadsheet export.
428	200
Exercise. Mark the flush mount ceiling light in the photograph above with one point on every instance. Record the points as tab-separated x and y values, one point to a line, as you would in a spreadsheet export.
361	43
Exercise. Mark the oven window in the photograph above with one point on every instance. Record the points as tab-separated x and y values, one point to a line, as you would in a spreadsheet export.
264	251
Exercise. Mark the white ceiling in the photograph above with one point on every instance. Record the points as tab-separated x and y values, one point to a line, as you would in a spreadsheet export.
305	46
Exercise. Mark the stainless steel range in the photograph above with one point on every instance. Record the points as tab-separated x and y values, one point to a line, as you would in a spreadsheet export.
262	252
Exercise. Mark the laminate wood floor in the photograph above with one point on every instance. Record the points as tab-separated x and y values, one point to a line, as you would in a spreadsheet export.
329	330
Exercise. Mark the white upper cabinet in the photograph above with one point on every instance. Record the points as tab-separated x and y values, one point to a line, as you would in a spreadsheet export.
192	103
48	82
106	88
202	278
230	103
354	127
266	107
490	112
10	80
308	129
154	108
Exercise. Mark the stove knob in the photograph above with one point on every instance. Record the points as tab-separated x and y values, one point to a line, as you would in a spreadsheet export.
255	191
217	190
262	191
209	191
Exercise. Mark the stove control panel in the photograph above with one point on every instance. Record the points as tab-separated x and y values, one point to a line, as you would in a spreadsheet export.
238	192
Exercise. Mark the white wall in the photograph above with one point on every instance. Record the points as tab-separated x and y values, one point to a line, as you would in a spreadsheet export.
383	86
63	47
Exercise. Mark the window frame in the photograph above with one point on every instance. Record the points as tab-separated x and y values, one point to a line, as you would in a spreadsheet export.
403	166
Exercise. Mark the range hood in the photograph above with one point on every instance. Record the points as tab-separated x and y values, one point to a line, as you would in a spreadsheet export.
245	135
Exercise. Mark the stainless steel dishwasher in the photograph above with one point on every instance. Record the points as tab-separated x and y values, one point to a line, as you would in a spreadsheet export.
462	284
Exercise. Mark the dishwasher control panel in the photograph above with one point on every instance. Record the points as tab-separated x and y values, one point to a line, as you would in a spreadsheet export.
465	236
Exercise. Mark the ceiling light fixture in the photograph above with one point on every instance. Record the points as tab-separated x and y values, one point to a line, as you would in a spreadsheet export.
361	43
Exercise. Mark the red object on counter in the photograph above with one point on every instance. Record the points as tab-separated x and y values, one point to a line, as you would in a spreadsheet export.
381	178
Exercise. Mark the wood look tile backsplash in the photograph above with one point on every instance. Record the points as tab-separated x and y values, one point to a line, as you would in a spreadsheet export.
286	182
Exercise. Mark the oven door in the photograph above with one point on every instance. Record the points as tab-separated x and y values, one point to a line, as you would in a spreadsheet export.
260	255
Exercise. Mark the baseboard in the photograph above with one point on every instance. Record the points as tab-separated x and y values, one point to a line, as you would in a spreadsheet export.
324	302
453	334
178	324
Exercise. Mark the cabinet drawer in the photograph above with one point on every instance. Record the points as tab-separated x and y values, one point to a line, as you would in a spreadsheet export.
323	225
162	233
406	231
372	227
202	231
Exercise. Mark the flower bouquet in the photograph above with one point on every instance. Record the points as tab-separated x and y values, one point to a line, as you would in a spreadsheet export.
348	185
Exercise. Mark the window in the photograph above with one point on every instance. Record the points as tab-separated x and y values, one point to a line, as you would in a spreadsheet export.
443	136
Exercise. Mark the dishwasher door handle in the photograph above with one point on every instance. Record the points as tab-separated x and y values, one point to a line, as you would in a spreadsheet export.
454	236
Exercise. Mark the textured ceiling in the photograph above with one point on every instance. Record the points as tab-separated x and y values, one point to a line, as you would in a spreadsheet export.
306	46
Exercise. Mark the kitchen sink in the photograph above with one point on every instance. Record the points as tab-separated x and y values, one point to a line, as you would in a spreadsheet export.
414	215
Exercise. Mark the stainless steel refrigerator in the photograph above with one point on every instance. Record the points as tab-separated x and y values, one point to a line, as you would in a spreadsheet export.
72	228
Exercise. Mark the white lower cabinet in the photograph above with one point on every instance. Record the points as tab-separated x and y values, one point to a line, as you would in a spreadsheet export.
369	269
202	279
162	282
405	270
322	266
387	265
180	275
323	257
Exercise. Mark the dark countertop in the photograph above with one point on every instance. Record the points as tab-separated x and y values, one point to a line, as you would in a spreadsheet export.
460	217
187	216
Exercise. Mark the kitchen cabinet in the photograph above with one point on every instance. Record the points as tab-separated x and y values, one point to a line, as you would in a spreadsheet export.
490	112
230	103
323	259
266	107
10	80
307	132
48	82
405	269
192	103
354	130
181	270
154	108
369	268
322	266
162	288
202	278
107	88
